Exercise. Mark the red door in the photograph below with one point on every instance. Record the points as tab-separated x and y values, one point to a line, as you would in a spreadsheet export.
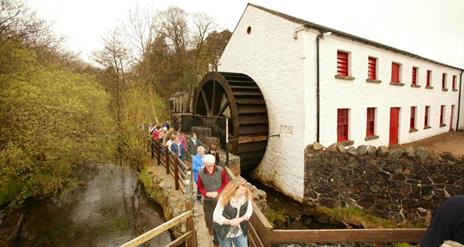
394	117
451	121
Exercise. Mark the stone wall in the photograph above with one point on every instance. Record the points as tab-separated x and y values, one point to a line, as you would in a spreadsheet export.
160	187
402	185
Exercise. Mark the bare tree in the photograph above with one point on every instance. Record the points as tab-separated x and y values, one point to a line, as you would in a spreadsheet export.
202	26
172	24
139	31
19	22
114	55
115	58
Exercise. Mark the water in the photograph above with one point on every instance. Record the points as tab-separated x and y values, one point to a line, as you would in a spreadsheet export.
108	208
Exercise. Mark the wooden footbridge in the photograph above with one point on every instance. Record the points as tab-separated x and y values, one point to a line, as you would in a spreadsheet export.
260	233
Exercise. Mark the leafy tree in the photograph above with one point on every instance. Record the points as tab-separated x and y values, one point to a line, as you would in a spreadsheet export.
140	105
52	118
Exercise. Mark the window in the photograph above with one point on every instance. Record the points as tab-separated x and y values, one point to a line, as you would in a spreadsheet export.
342	63
426	117
412	122
454	83
372	68
442	116
443	82
429	78
395	76
370	128
342	125
414	76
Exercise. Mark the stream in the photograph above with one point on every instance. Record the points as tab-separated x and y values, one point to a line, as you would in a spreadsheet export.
108	208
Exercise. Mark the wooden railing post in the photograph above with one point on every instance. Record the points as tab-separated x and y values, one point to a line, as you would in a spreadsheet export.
176	172
166	156
158	152
190	224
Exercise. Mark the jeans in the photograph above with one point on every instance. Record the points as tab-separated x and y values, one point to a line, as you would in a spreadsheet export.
240	241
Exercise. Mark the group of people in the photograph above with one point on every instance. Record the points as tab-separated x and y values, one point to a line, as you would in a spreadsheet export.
177	142
227	204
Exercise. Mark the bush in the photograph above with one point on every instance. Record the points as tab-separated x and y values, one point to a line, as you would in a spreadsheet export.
52	118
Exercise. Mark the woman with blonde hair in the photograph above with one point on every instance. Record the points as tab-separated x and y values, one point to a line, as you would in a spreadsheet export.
232	213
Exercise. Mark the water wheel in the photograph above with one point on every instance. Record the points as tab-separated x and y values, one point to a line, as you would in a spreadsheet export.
237	97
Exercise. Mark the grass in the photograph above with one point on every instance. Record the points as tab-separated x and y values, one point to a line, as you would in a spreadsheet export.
355	216
147	182
358	217
277	217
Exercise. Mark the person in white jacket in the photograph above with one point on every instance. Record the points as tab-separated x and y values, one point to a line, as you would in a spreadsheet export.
232	213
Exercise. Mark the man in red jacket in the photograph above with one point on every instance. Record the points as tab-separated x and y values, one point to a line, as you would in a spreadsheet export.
211	181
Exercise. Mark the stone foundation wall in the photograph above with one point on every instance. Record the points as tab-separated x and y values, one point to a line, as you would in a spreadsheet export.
402	185
160	187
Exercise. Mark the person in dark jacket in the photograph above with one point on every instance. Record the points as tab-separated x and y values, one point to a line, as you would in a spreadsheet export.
447	224
193	144
232	213
177	148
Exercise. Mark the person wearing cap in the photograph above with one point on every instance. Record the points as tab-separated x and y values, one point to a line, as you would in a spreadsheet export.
211	181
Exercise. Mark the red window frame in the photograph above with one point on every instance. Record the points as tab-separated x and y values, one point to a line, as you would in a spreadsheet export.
426	116
395	73
414	76
342	124
372	68
454	83
412	122
342	63
370	122
429	77
442	115
443	81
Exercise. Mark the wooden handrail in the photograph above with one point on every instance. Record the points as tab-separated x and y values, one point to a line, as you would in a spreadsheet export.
147	236
396	235
180	240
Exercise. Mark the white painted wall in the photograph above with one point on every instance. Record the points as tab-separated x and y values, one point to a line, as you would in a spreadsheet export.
285	70
358	94
461	115
274	59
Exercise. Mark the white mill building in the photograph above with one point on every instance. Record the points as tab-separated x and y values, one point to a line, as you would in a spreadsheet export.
321	84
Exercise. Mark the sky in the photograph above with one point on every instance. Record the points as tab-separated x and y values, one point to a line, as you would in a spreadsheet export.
430	28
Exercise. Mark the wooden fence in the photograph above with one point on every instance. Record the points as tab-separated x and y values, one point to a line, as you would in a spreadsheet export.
261	233
188	238
183	181
174	166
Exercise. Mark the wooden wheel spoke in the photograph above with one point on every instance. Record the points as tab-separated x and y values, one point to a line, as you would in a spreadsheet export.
223	107
213	100
205	100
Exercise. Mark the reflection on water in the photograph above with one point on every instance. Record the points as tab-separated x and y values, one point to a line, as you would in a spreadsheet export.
108	208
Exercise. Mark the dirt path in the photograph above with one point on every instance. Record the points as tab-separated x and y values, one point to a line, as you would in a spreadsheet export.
204	239
452	142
